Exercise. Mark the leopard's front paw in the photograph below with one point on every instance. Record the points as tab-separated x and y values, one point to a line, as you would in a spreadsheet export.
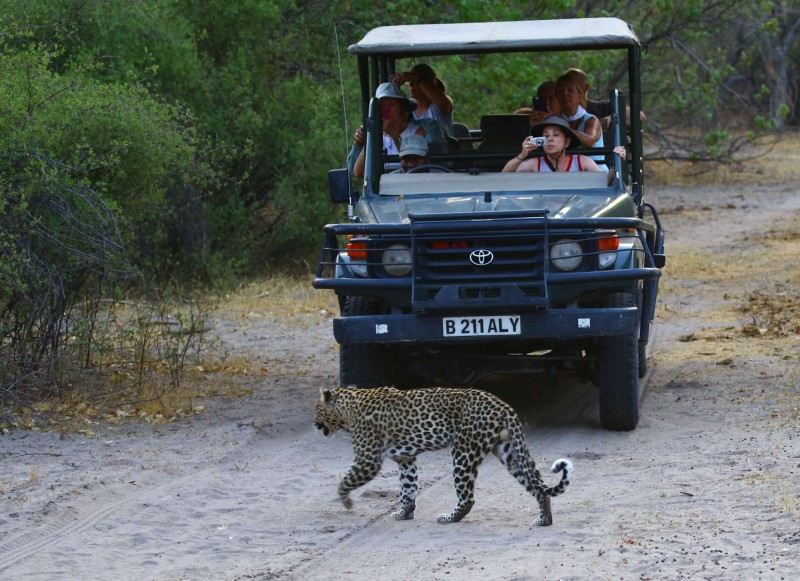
406	511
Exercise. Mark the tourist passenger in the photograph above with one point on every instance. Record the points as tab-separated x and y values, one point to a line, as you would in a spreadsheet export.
560	138
600	109
544	103
430	94
413	153
398	124
546	92
585	126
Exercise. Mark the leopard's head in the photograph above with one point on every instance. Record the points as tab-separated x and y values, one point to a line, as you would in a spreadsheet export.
327	417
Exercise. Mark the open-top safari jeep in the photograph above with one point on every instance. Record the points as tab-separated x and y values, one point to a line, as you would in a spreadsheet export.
451	277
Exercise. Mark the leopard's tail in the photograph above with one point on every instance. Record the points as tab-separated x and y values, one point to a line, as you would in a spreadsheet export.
532	474
565	467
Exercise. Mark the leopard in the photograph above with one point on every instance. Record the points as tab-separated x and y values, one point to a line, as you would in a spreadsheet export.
401	424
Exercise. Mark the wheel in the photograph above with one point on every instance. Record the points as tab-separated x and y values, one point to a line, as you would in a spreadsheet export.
362	364
642	359
642	344
618	374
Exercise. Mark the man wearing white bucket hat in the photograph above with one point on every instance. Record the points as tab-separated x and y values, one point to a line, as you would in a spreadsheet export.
398	124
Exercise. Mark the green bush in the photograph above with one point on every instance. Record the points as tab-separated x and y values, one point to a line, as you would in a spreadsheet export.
87	167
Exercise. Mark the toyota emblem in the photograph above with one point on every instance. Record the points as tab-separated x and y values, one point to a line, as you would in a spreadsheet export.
481	257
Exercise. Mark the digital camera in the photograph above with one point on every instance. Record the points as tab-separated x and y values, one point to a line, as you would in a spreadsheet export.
539	141
539	104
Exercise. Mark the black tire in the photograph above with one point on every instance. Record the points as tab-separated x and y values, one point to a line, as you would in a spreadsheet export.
618	374
362	364
642	359
642	344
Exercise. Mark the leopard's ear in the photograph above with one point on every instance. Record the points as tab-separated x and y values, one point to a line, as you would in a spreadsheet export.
327	395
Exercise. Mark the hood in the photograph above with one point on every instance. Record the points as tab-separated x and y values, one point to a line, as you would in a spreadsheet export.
395	209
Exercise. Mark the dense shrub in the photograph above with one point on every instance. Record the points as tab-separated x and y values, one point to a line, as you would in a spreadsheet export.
86	168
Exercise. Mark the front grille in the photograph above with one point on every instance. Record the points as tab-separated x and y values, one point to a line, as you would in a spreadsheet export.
513	258
480	266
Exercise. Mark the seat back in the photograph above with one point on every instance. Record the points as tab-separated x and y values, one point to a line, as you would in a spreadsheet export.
503	132
608	141
461	132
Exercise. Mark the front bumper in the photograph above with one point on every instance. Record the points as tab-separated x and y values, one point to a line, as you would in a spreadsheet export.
560	324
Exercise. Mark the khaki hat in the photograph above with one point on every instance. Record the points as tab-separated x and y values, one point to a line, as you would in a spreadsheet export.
561	123
414	145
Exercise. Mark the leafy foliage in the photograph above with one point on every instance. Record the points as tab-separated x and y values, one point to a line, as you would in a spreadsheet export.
86	168
716	73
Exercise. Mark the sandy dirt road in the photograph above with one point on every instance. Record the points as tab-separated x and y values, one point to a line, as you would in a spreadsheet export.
707	486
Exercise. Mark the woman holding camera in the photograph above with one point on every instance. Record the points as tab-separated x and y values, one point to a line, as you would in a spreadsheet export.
555	136
398	124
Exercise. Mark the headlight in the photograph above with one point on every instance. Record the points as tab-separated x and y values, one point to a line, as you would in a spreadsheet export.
566	254
396	260
356	255
607	259
607	244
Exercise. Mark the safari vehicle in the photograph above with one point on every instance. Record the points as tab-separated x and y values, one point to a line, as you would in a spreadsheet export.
462	273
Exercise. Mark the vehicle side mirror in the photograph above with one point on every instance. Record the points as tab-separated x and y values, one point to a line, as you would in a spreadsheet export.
339	185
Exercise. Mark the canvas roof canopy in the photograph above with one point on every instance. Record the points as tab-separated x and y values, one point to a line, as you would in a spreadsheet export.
480	37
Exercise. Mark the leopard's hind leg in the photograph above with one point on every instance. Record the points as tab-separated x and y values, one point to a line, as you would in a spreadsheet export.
466	460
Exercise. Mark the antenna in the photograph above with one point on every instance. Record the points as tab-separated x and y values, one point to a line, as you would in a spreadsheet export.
341	84
350	210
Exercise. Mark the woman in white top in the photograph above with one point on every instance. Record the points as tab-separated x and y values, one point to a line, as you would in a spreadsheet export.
586	127
560	137
430	95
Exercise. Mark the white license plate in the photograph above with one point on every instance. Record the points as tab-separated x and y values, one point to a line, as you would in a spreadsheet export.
481	326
